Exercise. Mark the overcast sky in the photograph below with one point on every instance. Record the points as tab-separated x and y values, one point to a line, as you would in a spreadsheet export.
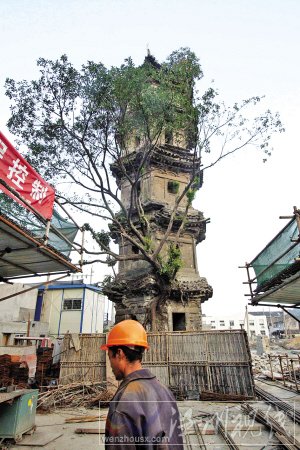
247	48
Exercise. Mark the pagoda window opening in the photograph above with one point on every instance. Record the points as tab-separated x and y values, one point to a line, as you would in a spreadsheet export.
179	322
173	187
135	249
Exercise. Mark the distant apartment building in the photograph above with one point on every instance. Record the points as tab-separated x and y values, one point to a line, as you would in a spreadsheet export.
281	323
275	320
258	326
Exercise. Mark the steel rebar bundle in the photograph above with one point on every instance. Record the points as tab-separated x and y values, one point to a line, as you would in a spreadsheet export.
277	402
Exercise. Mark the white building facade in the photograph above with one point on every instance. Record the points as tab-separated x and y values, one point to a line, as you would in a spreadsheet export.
258	325
17	313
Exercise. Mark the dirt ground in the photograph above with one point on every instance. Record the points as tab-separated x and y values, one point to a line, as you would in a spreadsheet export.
54	423
192	412
49	424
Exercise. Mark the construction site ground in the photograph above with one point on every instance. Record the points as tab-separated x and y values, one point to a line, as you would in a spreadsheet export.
202	422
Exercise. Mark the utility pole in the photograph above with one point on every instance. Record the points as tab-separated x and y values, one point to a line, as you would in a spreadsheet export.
285	325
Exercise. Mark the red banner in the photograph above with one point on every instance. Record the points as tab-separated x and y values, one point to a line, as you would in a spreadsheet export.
21	177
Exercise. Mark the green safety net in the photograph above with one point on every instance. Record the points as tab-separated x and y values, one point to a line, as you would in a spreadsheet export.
66	227
265	265
26	219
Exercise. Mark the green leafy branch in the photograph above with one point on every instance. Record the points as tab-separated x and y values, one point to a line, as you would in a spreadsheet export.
173	264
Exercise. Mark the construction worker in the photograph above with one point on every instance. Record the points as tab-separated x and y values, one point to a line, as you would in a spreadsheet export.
143	413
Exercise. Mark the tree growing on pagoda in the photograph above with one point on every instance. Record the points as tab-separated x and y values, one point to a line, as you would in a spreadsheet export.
82	127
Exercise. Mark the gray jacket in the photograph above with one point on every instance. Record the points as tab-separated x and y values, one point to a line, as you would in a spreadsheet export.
143	415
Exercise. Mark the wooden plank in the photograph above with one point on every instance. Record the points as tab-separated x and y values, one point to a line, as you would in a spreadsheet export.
90	430
79	419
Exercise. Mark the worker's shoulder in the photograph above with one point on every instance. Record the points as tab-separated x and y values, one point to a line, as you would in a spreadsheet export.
147	387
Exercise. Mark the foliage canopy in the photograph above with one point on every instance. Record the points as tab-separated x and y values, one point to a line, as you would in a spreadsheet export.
78	124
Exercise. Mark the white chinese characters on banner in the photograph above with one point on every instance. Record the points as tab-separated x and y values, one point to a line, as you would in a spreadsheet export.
38	191
17	173
3	149
17	176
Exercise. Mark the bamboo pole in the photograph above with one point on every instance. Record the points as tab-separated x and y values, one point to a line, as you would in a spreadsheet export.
271	366
294	373
283	377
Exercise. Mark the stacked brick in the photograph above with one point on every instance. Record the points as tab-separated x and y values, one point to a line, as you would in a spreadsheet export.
13	371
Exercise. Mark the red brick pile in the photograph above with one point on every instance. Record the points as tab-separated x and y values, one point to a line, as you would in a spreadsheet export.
5	362
12	371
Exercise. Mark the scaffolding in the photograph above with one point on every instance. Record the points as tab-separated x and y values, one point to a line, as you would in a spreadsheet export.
32	246
276	280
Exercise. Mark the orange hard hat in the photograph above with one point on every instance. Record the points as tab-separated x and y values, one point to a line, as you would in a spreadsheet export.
127	332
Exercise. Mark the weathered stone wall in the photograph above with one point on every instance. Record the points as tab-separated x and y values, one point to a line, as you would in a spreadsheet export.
154	187
192	311
187	247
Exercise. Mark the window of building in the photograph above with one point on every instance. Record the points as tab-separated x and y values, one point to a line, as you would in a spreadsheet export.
72	304
179	322
251	323
213	327
231	323
173	187
5	338
252	332
222	323
263	333
262	325
212	321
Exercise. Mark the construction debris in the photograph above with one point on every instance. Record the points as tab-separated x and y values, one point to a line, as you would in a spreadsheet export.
289	441
226	436
262	363
272	375
75	395
44	363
